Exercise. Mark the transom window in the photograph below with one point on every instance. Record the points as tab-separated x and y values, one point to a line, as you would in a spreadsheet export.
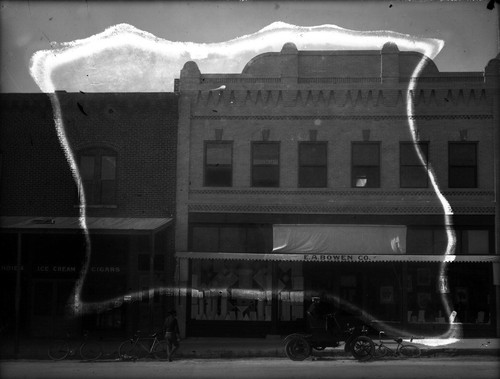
412	171
98	173
265	164
365	170
462	162
312	164
218	163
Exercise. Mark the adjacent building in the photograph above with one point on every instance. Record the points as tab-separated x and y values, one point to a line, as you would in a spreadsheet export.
339	174
125	148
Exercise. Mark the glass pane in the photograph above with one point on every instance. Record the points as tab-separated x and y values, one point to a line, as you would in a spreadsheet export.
205	238
232	239
312	177
419	241
218	176
265	154
265	177
259	239
365	154
88	188
218	153
312	154
108	192
478	242
409	154
366	177
43	299
462	154
414	177
87	164
462	177
108	168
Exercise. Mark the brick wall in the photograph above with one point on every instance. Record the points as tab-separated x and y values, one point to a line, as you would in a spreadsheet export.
140	127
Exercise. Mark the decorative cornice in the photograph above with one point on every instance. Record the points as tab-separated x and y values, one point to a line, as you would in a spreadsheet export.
331	209
343	117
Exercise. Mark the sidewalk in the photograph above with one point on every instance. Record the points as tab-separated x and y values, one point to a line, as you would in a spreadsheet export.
249	347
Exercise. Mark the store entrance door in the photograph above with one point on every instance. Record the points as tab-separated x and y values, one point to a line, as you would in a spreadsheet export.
50	315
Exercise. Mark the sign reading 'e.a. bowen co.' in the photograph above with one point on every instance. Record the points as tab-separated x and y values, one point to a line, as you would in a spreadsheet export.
337	258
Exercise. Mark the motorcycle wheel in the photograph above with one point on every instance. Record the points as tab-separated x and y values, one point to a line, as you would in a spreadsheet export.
297	348
362	348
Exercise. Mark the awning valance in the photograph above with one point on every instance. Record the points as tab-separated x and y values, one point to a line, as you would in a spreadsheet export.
336	258
105	224
339	239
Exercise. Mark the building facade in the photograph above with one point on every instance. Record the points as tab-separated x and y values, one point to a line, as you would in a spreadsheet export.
125	148
312	173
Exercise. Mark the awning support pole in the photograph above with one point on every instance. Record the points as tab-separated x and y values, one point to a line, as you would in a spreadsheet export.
151	282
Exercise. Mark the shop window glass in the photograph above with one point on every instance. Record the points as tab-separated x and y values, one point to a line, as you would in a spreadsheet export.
425	241
232	239
205	238
312	164
143	262
462	165
218	164
365	169
231	290
98	171
265	164
413	173
475	242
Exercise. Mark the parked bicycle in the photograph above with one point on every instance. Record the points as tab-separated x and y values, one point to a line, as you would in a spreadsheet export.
89	350
402	349
153	346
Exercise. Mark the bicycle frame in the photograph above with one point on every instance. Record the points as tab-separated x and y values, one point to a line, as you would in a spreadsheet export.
136	347
402	349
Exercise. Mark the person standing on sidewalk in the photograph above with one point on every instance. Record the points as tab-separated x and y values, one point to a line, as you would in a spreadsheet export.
172	334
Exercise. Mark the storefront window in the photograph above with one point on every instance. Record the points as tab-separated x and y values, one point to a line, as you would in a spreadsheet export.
465	287
291	291
231	290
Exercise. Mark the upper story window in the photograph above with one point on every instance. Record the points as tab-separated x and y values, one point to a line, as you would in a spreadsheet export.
98	173
218	164
312	164
412	171
365	160
265	164
462	165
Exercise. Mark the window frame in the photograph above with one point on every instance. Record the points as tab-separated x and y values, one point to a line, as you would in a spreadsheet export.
96	183
378	165
426	167
452	168
253	166
206	165
323	166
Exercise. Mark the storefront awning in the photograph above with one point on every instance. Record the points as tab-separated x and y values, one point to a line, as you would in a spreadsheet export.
339	239
104	224
336	258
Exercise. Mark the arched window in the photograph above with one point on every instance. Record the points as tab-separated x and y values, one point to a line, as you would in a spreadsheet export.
98	174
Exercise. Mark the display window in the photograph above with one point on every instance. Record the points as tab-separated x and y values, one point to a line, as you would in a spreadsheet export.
231	290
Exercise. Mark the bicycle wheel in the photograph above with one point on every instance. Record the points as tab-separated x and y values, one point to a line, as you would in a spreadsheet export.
362	348
129	350
160	350
90	350
58	350
410	351
380	351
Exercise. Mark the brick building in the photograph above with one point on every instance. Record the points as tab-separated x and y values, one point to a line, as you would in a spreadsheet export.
125	147
301	176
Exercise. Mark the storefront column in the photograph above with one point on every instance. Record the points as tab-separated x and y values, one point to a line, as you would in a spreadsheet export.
18	295
404	294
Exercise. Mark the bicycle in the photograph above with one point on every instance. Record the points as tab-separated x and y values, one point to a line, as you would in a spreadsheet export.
134	348
401	350
60	349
